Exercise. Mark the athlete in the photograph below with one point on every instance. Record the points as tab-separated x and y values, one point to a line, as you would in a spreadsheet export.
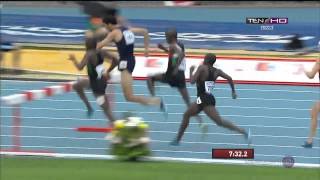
98	76
96	29
124	39
315	108
174	76
205	78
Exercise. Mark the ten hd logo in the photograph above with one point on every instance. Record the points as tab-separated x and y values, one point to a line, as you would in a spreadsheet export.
267	23
263	20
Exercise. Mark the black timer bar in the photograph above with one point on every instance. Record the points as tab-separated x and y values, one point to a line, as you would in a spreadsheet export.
232	153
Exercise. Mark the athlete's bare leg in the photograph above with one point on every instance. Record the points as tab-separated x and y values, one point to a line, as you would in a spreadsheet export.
314	122
126	83
150	82
214	115
185	95
191	111
103	102
79	88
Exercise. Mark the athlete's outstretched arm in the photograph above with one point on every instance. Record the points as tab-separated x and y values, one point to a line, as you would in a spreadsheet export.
193	78
82	64
161	46
315	69
230	81
145	34
107	40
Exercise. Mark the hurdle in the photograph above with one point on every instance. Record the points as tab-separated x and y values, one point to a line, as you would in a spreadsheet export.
16	100
93	129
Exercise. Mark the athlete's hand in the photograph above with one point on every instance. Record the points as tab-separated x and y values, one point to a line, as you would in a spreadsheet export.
72	57
234	95
161	46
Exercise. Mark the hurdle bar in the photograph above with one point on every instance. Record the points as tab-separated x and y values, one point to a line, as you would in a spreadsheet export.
16	100
94	129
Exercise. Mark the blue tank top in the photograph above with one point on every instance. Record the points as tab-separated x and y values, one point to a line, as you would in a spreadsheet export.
126	45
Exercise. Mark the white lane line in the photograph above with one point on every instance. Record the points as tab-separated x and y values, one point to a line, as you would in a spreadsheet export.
221	97
163	141
167	132
181	104
155	122
263	99
163	159
144	112
156	150
217	88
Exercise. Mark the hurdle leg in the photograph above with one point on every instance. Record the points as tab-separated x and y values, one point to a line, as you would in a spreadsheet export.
16	128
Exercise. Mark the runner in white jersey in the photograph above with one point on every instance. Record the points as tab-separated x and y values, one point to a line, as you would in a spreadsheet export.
316	106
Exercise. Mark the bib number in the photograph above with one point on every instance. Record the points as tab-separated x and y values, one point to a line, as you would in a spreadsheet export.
129	37
123	65
199	100
209	86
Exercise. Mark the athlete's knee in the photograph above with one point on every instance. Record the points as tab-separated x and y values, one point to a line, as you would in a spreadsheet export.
219	121
315	109
76	86
129	97
187	115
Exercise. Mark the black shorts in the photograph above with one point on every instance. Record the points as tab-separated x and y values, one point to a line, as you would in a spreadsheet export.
127	64
177	80
98	86
205	100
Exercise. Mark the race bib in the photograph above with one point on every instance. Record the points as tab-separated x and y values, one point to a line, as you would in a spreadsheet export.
199	100
129	37
209	86
100	70
123	64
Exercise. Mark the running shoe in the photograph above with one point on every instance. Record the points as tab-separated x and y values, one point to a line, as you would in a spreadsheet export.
175	142
90	113
307	145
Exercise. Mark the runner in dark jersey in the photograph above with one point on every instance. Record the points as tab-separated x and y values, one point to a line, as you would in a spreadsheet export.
96	11
205	78
124	39
174	76
316	107
98	77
